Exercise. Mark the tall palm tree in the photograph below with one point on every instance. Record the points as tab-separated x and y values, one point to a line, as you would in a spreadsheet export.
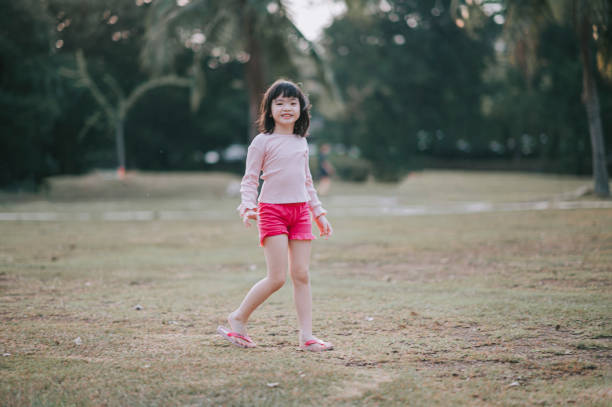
590	20
250	31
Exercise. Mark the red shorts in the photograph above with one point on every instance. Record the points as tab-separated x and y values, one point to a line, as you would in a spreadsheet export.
291	219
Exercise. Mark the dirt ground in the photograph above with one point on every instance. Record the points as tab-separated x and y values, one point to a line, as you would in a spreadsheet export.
458	309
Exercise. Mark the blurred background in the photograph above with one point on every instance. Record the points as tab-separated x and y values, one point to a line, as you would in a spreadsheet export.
396	85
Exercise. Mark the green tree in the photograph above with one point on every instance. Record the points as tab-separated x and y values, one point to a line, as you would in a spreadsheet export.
116	112
412	81
28	89
590	21
259	34
116	21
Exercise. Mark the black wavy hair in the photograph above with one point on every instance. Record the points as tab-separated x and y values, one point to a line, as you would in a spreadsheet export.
284	88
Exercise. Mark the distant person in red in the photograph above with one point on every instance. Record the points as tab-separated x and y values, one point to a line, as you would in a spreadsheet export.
326	170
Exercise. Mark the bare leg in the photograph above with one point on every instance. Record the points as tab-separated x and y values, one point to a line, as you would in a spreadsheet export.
299	261
275	250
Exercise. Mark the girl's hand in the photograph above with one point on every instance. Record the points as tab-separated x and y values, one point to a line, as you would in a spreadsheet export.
324	226
248	215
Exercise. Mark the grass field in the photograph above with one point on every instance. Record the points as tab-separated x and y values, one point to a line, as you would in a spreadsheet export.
473	309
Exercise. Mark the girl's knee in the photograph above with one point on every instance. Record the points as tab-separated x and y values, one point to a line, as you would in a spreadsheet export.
276	281
300	275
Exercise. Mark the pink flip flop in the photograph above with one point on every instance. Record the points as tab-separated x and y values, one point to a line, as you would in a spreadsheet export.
233	336
324	346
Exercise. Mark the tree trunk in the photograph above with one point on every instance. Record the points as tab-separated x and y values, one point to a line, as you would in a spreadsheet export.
120	144
254	70
591	102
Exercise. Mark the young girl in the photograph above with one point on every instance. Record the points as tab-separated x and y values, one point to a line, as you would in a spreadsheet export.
282	215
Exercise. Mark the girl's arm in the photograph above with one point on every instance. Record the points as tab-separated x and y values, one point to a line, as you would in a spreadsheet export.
250	181
316	207
315	204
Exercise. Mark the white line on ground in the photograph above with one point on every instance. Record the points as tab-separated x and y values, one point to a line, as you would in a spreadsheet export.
381	210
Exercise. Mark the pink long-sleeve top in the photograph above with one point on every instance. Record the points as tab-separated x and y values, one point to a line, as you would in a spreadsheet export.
283	158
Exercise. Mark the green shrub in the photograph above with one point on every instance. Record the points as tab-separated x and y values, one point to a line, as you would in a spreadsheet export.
350	168
347	168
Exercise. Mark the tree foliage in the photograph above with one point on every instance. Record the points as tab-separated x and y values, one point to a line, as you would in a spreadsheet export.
28	89
445	80
423	82
413	82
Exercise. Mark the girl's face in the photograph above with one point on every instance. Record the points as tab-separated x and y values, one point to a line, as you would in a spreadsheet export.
285	110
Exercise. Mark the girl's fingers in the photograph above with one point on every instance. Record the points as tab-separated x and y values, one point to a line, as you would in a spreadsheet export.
247	221
326	230
246	218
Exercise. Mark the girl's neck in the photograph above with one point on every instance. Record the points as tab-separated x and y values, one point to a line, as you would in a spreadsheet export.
280	129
